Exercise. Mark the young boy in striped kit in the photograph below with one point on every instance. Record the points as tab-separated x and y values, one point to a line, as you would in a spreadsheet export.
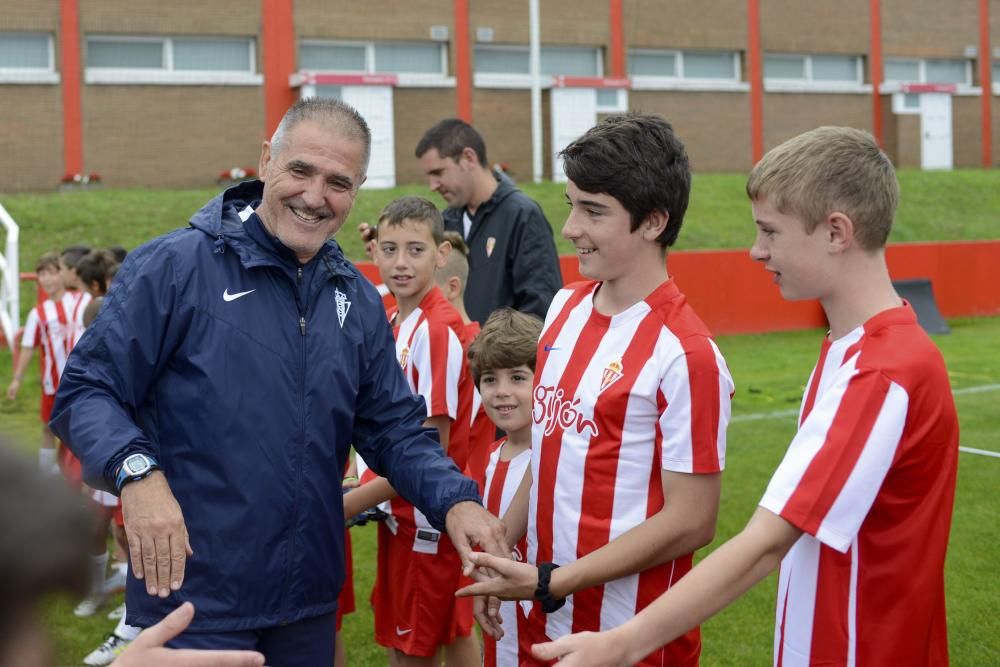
502	360
416	613
631	404
859	510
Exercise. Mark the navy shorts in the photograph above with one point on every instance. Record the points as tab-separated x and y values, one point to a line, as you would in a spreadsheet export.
306	643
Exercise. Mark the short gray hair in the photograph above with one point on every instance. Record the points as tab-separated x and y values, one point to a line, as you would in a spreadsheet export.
344	118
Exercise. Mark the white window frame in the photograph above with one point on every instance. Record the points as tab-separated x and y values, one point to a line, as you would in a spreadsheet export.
519	81
405	79
681	82
32	75
922	69
167	75
809	85
620	105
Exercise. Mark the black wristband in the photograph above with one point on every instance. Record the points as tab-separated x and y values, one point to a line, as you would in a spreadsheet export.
542	594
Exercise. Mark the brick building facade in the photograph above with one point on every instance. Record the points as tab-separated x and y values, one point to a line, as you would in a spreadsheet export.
147	93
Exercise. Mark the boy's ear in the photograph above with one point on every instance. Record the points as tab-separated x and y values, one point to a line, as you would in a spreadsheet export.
443	251
654	225
839	230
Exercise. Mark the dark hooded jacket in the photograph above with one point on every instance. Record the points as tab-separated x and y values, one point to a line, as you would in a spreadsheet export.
512	256
249	376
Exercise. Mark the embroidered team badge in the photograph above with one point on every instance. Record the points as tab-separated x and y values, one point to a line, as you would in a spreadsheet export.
404	356
491	243
612	373
343	305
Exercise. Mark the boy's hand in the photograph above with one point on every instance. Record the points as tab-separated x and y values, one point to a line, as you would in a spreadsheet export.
504	578
12	388
148	651
587	649
367	233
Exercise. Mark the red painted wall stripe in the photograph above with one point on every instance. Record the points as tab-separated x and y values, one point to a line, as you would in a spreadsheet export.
617	28
756	73
963	274
463	62
986	81
69	58
278	42
875	67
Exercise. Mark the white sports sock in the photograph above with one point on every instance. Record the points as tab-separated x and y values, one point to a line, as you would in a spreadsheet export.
47	462
126	631
98	573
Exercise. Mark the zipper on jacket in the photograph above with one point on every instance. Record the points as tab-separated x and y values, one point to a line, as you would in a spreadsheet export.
302	325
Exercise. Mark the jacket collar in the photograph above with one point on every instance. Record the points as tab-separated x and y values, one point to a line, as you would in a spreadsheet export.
227	220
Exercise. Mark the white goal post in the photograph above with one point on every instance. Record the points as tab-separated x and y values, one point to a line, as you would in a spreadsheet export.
10	280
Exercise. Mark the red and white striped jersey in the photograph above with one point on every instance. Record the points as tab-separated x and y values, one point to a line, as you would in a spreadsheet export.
500	483
616	400
870	479
430	349
57	325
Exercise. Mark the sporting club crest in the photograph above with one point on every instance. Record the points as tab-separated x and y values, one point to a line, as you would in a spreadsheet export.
343	305
612	373
404	356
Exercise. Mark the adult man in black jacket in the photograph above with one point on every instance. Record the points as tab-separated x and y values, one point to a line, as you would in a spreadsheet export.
512	257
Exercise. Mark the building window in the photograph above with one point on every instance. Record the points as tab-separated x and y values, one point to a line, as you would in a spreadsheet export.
171	60
27	57
554	60
817	70
695	65
909	70
428	58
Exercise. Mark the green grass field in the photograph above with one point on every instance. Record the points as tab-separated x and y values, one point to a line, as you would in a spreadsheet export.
769	370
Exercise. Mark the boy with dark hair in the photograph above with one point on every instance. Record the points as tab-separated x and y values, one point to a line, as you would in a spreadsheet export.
512	257
631	402
93	269
859	510
418	567
502	360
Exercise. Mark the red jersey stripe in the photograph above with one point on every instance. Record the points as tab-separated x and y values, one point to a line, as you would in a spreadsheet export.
703	381
818	488
551	444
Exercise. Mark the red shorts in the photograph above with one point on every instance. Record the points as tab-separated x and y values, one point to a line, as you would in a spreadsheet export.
414	596
345	604
48	400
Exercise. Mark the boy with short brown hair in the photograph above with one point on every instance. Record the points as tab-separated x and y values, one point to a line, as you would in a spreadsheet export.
418	568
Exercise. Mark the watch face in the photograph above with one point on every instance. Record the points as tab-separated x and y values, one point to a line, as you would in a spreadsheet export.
136	464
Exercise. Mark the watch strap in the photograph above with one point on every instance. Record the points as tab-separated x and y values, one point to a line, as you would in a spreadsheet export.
550	604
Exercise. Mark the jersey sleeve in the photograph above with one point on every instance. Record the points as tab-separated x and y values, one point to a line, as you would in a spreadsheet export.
694	401
29	337
835	465
436	356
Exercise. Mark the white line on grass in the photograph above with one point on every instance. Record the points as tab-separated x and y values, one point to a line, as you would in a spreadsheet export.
780	414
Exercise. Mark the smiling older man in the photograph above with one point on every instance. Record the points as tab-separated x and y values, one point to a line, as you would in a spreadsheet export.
233	365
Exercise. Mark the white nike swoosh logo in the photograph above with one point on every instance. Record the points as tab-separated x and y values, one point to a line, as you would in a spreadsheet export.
226	296
403	632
